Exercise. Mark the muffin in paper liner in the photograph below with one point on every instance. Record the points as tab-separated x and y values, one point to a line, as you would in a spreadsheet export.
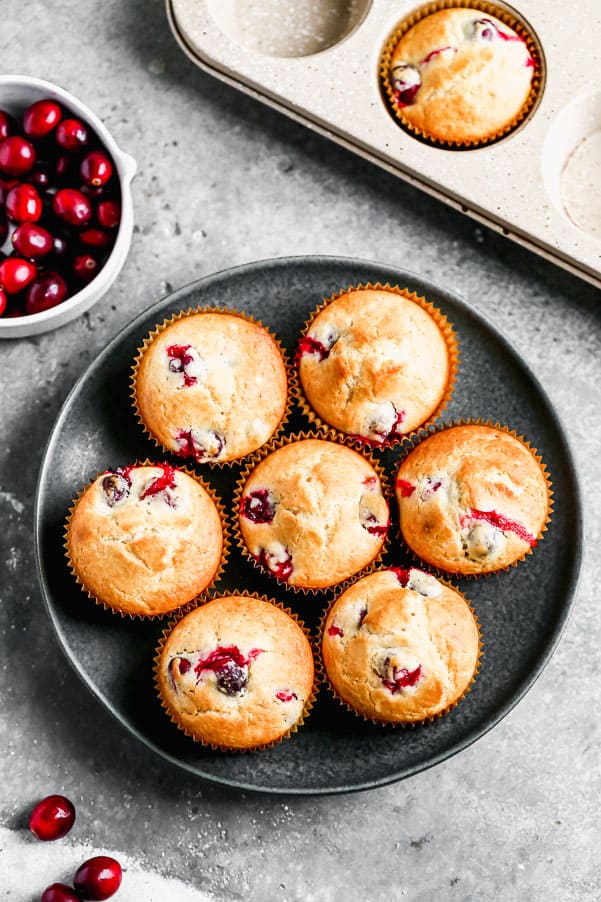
206	446
234	671
488	529
534	62
147	552
371	507
431	408
399	679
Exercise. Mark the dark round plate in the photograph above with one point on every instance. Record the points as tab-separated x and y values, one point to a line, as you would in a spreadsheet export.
522	612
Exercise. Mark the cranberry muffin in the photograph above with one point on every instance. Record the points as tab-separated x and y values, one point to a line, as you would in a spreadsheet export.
399	646
313	513
211	386
376	363
236	673
460	76
472	499
145	540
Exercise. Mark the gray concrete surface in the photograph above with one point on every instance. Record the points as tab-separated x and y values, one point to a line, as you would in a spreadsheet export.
222	181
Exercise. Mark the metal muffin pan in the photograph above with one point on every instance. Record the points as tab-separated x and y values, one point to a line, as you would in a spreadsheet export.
318	63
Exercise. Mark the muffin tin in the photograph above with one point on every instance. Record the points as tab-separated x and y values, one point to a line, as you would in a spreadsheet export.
318	62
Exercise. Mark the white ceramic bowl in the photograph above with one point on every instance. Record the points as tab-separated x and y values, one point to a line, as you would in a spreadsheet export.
16	93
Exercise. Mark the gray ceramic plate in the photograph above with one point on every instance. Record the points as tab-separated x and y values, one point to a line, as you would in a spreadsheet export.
522	612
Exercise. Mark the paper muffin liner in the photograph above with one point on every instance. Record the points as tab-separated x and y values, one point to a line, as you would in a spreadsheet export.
261	455
309	703
189	605
291	377
499	12
403	724
423	434
450	338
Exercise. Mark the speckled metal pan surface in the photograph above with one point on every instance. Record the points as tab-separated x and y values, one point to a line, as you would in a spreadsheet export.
521	613
319	64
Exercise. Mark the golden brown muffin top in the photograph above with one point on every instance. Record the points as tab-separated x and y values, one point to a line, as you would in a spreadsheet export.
236	672
212	386
472	499
374	364
145	540
313	513
460	75
400	646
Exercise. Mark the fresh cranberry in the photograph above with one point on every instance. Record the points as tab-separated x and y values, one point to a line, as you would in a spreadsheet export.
31	240
96	169
5	187
60	247
190	445
278	563
116	485
71	135
17	155
63	169
259	506
40	177
52	818
60	892
109	214
16	274
72	206
98	878
85	267
40	118
3	301
7	125
3	228
95	238
23	203
46	291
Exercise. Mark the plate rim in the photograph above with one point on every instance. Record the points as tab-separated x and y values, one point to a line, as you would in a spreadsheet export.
474	734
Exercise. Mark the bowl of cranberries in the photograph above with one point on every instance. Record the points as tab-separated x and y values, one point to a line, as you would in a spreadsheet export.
66	216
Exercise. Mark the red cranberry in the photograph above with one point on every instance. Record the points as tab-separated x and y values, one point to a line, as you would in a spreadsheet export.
40	118
3	301
23	203
96	169
17	155
71	135
40	177
279	564
7	124
98	878
60	892
95	238
16	274
190	445
72	206
5	187
63	168
116	486
85	267
109	214
31	240
48	290
259	506
3	228
310	345
52	818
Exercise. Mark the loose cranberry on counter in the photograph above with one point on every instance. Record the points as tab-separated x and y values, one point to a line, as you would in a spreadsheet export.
72	206
23	203
16	274
109	214
8	126
96	169
46	291
98	879
31	240
40	118
17	155
60	892
71	135
85	267
52	818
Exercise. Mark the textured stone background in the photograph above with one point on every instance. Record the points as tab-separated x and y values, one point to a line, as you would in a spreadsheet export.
223	180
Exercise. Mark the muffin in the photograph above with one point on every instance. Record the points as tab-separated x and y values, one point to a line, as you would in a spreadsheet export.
472	499
145	540
211	386
236	673
313	513
399	646
459	76
376	363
